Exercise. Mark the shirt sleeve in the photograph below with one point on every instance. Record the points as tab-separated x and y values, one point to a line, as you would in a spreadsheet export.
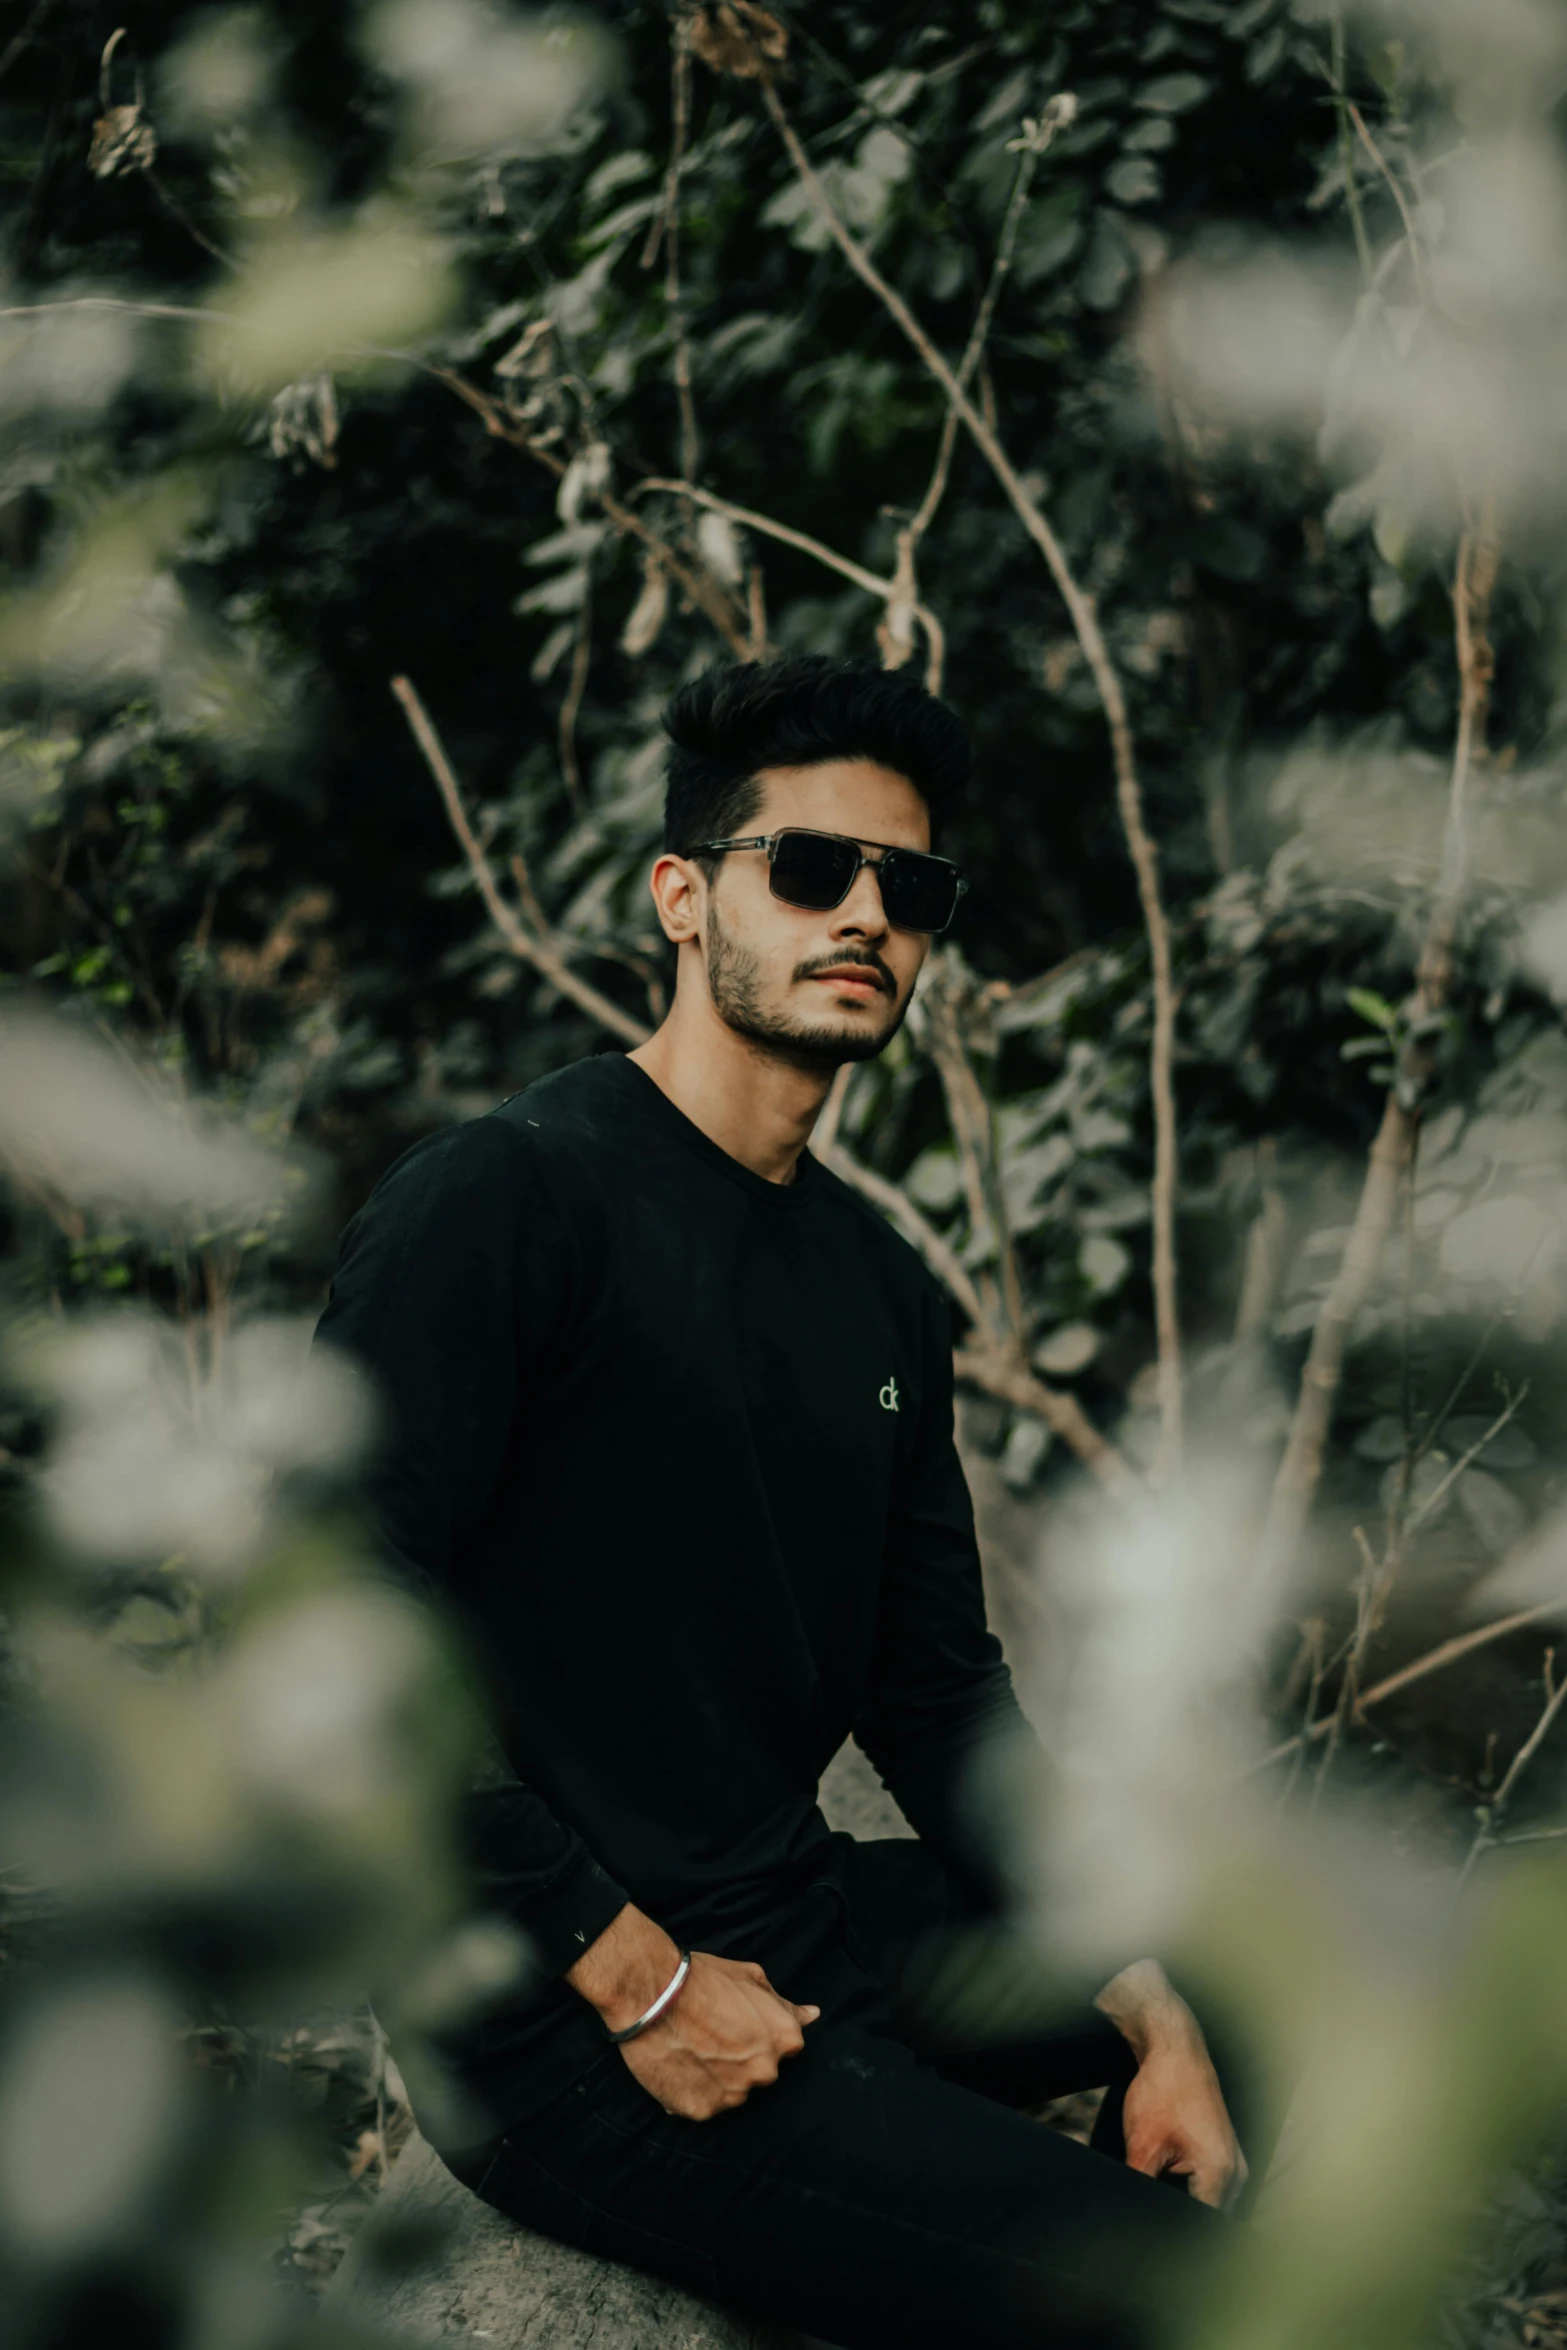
449	1284
940	1689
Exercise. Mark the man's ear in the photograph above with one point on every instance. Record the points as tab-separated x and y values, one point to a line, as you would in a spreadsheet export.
677	885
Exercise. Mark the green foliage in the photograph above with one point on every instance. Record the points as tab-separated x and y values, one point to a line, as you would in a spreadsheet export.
415	427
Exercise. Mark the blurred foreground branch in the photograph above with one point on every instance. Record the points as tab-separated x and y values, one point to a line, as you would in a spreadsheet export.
1393	1151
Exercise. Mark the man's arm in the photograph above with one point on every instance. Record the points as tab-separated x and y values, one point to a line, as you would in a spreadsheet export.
453	1291
456	1267
940	1693
725	2034
1175	2120
940	1689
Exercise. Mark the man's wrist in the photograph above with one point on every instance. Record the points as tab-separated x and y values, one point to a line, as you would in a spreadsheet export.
622	1973
1147	2010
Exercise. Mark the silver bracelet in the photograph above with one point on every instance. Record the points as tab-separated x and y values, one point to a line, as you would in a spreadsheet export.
665	2000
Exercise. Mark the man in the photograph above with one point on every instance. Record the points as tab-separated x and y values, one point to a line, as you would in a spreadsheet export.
671	1416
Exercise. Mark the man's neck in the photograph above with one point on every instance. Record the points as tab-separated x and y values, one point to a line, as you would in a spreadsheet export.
758	1108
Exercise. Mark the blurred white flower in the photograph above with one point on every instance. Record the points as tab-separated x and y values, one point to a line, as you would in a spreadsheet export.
81	1120
1151	1723
91	2093
152	1462
1440	376
71	362
482	79
221	71
1501	1243
328	295
315	1697
1542	947
720	545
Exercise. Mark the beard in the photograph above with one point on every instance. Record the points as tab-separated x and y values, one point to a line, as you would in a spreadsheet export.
734	977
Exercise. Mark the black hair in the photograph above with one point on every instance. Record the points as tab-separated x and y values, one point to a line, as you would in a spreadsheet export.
733	721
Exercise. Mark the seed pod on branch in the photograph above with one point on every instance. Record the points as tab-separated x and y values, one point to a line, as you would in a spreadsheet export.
738	38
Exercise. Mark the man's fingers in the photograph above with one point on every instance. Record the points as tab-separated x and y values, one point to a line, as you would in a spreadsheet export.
807	2015
1219	2179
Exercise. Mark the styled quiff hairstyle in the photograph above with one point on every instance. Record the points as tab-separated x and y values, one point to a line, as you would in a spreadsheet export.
732	722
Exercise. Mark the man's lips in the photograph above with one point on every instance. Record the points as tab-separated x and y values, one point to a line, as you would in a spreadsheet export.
855	976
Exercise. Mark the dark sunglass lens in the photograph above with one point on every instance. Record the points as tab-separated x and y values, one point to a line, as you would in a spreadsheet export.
812	871
919	893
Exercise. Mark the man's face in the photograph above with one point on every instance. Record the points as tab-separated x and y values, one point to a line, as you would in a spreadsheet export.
816	988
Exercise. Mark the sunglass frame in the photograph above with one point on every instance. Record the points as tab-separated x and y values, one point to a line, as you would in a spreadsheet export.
770	840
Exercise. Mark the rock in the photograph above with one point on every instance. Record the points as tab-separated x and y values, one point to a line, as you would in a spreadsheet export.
852	1797
433	2264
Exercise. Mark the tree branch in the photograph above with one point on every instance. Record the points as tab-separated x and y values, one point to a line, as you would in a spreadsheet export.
1495	1810
704	591
1090	636
541	950
571	706
788	536
1000	1372
669	222
938	1254
1447	1653
1416	257
989	1359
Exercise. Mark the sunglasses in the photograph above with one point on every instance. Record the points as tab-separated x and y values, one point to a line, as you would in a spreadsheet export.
816	870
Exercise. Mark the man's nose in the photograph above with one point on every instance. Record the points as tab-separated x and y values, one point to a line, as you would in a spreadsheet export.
862	914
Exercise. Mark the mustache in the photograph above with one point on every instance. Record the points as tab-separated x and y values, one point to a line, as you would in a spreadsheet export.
864	959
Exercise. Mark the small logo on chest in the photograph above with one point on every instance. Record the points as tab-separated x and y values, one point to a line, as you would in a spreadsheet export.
888	1398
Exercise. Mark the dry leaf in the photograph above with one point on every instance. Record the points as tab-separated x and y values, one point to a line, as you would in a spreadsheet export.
122	140
640	633
736	37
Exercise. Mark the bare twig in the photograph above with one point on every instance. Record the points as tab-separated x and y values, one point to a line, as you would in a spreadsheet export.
1447	1653
1416	257
1367	1607
19	40
825	1133
999	1371
668	224
1346	146
984	1360
1264	1262
1439	1492
1032	146
183	311
571	706
968	1115
177	213
697	582
894	1203
756	605
1311	1650
749	519
1085	622
539	949
1555	1698
1392	1153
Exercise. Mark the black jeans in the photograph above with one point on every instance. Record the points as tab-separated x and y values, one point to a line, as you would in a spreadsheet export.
889	2189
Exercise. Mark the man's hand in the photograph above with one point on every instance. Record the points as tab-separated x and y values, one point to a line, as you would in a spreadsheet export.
1175	2119
726	2034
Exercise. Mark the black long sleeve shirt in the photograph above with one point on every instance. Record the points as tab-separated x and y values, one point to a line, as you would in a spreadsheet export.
674	1446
